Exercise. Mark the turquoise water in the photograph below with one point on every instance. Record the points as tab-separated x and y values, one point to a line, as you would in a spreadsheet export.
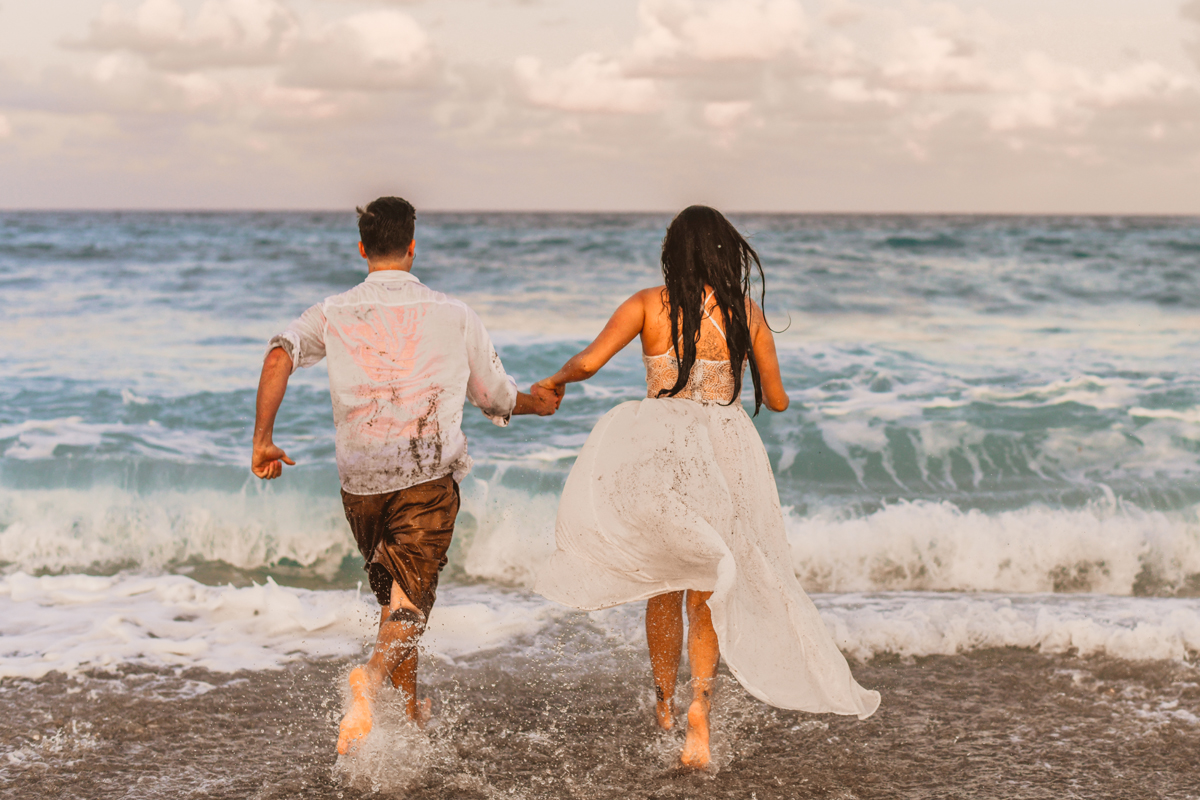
1006	404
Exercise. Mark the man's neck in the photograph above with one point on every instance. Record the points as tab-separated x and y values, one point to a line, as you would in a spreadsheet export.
402	265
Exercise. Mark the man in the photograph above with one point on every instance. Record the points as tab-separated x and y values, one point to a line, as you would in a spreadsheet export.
402	360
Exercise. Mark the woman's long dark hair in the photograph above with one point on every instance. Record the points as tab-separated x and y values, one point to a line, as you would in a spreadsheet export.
702	248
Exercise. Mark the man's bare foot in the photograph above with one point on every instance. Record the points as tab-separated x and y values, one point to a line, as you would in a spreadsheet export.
665	711
357	722
695	748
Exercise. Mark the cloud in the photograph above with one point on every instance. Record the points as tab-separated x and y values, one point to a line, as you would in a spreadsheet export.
716	42
223	33
726	118
1191	12
5	127
725	115
718	30
375	50
1054	95
928	60
591	83
856	91
125	81
291	102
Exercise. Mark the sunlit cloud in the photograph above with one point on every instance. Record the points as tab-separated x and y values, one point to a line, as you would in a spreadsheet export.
718	30
775	84
373	50
222	33
591	83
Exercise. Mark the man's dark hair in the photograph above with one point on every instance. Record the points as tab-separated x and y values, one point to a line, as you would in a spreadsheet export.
386	226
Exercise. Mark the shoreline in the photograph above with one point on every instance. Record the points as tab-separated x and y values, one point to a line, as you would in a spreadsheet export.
993	723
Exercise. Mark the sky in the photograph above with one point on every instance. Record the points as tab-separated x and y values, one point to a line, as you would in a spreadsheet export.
988	106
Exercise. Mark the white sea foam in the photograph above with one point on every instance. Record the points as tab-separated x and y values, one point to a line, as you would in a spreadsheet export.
514	536
856	415
924	624
38	439
505	535
73	623
56	530
1104	548
70	623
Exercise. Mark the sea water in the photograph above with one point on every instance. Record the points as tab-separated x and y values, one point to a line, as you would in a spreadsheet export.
993	448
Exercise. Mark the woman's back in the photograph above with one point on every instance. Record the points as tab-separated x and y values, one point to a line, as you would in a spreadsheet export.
711	378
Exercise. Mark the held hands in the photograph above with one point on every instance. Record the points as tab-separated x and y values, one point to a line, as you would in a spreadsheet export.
545	401
547	391
265	461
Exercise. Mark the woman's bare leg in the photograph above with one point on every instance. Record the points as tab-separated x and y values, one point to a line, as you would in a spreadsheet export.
664	635
704	654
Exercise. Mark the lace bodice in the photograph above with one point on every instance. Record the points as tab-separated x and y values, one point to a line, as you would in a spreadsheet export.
710	381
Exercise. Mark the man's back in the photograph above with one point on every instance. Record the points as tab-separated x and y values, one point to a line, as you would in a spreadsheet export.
402	360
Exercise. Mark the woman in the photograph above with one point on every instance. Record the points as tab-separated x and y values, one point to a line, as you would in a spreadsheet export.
674	494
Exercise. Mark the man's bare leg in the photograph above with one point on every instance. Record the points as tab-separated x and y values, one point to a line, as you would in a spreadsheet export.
704	654
664	635
404	678
400	626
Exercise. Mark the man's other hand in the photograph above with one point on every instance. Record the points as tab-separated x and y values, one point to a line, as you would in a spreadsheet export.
265	462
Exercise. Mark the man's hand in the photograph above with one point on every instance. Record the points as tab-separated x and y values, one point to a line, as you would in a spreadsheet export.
550	390
551	396
265	461
535	403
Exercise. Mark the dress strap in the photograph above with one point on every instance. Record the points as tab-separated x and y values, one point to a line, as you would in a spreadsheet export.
707	316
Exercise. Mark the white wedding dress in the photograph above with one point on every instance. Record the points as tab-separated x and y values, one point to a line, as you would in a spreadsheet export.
677	493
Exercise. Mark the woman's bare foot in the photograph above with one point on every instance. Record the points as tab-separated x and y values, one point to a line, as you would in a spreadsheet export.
357	722
695	748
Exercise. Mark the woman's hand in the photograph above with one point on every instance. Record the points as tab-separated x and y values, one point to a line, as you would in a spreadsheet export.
547	388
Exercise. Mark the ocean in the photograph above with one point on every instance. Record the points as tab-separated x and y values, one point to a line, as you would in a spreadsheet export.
989	474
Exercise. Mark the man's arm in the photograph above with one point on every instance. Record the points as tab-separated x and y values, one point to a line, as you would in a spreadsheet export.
301	345
542	403
266	457
489	387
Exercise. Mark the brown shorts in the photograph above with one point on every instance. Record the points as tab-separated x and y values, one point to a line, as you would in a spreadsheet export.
404	536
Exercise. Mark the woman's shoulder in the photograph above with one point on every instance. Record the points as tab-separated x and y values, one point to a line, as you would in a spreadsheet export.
652	299
654	294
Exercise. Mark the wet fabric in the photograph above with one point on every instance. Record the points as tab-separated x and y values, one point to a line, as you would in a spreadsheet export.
404	536
677	493
403	359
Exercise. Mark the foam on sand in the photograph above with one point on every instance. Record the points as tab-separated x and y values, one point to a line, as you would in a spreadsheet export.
71	623
925	624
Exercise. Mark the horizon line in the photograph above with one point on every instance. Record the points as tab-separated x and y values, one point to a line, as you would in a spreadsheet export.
591	212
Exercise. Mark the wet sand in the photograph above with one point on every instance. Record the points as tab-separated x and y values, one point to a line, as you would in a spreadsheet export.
998	723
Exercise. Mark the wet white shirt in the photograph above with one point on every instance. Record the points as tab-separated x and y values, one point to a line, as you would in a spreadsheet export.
402	360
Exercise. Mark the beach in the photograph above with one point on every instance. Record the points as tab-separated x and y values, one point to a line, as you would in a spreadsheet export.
994	723
988	473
